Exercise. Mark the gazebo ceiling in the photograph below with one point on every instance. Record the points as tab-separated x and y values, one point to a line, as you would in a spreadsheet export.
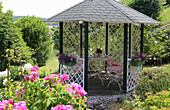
102	11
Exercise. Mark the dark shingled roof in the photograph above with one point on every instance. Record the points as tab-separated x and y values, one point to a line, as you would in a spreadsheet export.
102	11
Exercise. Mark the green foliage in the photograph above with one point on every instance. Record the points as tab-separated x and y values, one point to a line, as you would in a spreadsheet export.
35	34
10	38
158	101
153	80
157	43
165	16
149	7
55	31
44	93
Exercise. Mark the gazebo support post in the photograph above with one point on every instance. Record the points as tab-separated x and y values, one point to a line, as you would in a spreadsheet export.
142	33
81	40
86	58
61	39
125	58
106	42
106	45
130	34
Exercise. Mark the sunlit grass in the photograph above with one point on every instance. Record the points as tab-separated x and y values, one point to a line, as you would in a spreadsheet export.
52	64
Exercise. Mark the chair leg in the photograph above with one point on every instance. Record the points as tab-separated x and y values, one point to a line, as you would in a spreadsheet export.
101	79
116	82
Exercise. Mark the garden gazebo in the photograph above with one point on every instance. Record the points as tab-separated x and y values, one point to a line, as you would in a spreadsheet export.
106	24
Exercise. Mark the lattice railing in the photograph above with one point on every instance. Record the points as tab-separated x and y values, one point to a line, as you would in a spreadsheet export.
132	74
133	71
75	72
116	42
71	38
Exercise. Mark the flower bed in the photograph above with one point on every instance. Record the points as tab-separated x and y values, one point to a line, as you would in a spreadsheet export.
50	92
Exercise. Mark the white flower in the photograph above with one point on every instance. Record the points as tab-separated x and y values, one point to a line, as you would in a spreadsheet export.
27	66
156	42
5	81
4	73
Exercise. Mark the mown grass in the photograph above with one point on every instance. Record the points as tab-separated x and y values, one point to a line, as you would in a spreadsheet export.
52	64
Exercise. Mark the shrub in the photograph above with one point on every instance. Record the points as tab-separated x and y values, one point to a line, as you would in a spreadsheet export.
35	34
10	38
50	92
153	80
158	101
157	43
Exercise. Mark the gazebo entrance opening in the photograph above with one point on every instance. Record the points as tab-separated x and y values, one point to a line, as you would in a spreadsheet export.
108	37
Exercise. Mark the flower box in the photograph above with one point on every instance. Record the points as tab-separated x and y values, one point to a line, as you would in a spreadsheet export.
69	64
138	63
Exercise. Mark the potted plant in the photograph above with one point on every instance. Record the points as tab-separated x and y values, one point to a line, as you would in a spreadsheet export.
98	51
138	59
67	60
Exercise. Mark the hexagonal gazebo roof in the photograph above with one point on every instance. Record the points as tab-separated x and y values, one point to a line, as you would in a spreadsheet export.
101	11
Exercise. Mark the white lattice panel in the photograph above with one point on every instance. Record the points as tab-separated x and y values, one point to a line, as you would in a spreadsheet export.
71	38
136	38
116	42
96	38
132	74
75	72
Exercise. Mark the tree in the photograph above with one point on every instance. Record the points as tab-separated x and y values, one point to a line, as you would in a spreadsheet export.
10	38
35	34
149	7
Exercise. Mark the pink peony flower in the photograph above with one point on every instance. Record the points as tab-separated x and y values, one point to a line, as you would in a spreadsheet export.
35	68
50	89
47	78
65	77
62	107
23	91
89	102
17	83
75	96
26	77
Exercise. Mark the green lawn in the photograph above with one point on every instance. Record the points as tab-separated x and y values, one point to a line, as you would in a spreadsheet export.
52	64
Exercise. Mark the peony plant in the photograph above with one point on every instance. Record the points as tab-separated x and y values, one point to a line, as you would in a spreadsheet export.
51	92
10	105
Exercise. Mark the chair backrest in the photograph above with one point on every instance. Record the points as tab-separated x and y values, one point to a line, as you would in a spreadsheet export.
111	63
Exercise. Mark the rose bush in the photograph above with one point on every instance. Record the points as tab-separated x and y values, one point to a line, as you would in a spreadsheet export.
51	92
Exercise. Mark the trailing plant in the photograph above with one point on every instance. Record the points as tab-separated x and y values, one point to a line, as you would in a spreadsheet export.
65	58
